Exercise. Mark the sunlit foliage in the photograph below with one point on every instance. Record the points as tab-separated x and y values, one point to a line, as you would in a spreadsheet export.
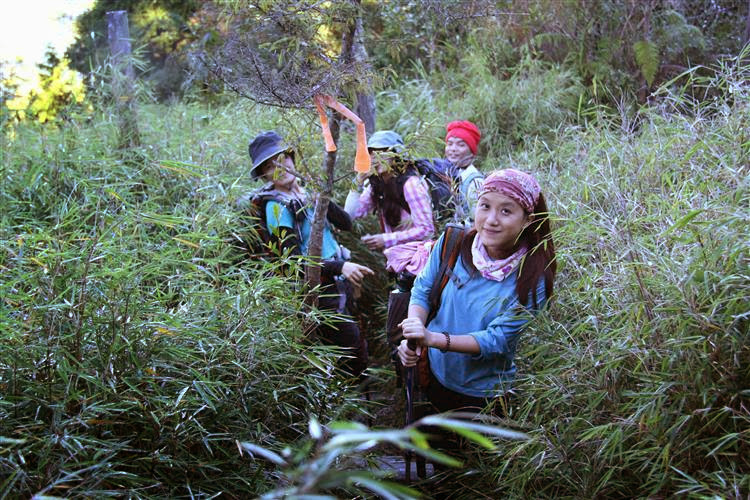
59	88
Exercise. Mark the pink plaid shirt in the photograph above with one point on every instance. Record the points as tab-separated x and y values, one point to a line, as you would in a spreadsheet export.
414	226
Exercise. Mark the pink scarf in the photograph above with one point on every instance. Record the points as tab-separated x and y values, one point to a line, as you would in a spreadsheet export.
491	269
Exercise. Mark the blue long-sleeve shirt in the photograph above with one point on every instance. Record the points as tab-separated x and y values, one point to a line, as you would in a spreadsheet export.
487	310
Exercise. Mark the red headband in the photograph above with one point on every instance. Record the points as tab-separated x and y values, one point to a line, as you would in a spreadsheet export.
466	131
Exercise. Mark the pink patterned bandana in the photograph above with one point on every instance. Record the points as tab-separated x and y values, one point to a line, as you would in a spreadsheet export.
516	185
496	270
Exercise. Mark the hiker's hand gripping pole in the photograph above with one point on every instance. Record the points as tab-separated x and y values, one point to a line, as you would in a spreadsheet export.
416	335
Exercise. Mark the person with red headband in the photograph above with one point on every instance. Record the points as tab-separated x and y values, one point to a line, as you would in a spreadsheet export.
503	275
461	141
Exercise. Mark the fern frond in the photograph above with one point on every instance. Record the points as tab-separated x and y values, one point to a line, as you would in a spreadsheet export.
647	57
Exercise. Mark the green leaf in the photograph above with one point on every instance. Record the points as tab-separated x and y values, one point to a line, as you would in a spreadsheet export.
181	167
316	432
181	395
7	440
341	425
647	57
384	489
254	449
455	425
683	221
694	149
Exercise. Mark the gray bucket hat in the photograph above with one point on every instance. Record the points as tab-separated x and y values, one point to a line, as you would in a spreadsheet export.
265	145
386	139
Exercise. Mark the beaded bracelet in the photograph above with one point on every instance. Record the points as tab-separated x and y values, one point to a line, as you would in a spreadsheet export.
447	342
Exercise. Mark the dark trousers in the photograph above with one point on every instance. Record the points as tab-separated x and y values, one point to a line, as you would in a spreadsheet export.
344	333
440	399
444	399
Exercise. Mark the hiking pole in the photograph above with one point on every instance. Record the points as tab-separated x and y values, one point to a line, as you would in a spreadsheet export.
449	251
398	304
409	389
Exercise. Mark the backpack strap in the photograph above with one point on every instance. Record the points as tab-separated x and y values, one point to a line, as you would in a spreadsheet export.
262	199
449	251
464	187
466	182
463	190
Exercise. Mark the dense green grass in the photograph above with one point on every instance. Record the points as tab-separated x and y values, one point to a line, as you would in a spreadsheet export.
134	356
636	382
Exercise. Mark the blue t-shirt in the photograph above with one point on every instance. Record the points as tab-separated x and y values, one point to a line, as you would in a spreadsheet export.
487	310
277	215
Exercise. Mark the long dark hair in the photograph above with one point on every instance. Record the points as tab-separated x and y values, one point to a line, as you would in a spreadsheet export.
539	261
389	194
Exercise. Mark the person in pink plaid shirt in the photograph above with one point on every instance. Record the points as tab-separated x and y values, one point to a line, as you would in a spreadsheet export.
401	199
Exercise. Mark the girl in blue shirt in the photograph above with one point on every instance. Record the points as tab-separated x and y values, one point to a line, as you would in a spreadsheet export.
504	274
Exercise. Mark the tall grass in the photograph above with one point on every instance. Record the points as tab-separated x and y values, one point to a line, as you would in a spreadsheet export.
636	382
133	355
513	106
138	352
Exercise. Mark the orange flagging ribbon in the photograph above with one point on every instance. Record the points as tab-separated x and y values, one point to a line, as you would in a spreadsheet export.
362	157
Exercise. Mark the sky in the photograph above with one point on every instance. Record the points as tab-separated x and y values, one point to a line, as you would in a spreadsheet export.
27	27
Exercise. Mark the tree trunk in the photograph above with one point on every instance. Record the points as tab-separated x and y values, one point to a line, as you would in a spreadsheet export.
353	50
746	38
644	90
315	244
365	100
123	77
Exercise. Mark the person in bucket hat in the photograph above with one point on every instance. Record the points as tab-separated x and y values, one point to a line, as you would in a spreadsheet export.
288	215
266	145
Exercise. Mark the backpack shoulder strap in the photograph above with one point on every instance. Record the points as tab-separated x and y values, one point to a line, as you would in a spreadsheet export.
471	178
449	251
400	181
262	198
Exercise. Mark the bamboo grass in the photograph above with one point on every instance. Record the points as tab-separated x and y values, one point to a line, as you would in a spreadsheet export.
137	349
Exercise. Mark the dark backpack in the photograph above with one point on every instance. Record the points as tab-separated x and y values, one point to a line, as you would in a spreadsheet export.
446	187
443	179
444	183
254	238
